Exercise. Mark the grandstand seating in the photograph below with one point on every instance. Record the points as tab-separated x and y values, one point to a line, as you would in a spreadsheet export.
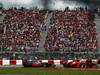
21	29
72	30
69	30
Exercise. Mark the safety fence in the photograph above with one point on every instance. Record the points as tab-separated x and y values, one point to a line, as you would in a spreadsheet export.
19	62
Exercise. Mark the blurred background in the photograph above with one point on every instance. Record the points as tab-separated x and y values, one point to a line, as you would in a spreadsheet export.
50	4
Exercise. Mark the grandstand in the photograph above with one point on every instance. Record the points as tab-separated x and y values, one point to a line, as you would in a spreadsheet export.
49	34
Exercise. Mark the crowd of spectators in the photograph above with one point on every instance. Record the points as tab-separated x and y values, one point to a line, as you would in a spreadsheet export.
21	29
69	30
72	30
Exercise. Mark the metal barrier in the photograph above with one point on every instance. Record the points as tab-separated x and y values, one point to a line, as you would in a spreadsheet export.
10	62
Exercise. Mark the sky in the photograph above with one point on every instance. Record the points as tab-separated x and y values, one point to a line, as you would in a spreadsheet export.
20	3
51	4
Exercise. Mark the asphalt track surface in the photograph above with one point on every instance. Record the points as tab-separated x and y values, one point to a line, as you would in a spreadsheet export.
11	66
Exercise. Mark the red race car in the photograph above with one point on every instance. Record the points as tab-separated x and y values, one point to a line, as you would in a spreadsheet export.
84	63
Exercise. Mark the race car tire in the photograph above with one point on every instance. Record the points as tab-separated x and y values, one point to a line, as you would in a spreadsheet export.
47	65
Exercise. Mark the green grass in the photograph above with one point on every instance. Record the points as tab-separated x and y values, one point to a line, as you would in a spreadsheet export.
41	71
